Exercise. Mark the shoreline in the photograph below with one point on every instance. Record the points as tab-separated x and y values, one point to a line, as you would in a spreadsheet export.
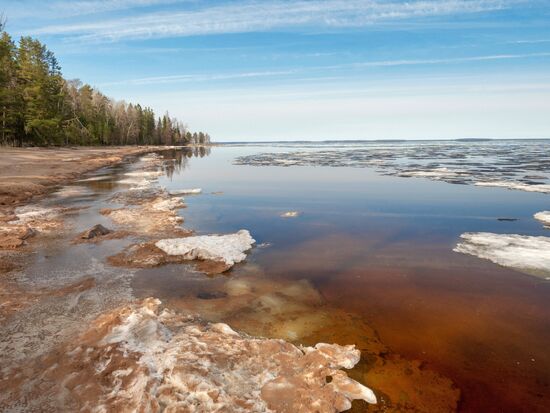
26	173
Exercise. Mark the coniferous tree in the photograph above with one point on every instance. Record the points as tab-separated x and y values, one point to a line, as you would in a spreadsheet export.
39	107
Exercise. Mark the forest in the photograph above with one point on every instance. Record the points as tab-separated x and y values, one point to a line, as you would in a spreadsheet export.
38	107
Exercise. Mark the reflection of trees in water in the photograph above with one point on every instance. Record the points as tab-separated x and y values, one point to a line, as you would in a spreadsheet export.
176	159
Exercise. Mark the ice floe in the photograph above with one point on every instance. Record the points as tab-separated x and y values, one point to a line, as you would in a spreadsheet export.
545	189
229	249
290	214
524	253
544	217
517	165
191	191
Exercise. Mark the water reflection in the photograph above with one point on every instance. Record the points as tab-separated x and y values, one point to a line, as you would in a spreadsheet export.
380	248
176	159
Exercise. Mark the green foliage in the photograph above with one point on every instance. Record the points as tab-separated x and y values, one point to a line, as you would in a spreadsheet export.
39	107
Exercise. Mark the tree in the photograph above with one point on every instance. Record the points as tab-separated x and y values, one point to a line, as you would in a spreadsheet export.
39	77
10	101
39	107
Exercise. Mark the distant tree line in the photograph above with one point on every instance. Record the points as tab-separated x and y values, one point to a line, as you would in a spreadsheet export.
39	107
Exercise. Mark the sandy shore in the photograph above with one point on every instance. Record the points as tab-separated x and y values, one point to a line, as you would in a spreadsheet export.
27	172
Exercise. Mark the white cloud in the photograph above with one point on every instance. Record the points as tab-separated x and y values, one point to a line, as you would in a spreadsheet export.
264	16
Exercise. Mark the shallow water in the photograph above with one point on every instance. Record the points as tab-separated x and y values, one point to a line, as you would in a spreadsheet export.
368	257
380	247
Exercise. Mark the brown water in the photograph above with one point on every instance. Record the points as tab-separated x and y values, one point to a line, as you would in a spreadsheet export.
380	248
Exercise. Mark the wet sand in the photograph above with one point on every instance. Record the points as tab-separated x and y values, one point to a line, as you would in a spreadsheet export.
27	172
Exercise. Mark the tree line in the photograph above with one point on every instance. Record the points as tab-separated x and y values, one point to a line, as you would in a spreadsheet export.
39	107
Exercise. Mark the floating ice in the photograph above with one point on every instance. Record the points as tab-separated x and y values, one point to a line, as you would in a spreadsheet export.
543	217
290	214
545	189
192	191
229	249
521	165
521	252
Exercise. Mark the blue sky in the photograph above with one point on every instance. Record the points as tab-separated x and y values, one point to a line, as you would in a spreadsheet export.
282	70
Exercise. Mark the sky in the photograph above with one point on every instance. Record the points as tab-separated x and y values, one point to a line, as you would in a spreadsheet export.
311	70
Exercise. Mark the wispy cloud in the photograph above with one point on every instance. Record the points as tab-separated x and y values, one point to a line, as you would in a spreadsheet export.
530	41
265	16
62	8
155	80
321	69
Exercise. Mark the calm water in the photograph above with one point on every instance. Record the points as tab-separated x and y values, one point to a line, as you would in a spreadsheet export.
368	261
380	248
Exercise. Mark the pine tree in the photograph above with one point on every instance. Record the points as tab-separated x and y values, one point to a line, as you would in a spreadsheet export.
10	101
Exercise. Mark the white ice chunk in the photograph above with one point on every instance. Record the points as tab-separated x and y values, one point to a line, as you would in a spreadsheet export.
545	189
229	248
544	217
191	191
521	252
290	214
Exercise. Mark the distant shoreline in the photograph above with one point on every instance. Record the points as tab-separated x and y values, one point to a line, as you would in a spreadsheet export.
344	141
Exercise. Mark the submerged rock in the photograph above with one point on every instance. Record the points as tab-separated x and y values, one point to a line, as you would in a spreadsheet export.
96	231
139	358
524	253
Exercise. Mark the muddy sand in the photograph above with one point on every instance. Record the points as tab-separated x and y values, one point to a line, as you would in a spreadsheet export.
27	172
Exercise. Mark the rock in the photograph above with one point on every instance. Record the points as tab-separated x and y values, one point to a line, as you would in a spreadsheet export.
96	231
206	295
